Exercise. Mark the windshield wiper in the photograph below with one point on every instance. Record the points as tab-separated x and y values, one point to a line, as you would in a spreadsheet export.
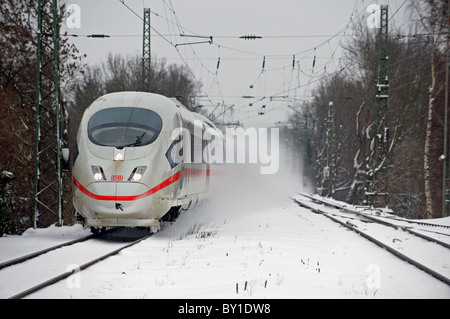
137	143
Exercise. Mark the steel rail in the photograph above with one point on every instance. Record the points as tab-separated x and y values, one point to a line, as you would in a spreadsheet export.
377	242
19	260
75	270
377	219
357	212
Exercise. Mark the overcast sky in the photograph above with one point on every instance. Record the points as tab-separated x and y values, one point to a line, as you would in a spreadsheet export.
301	28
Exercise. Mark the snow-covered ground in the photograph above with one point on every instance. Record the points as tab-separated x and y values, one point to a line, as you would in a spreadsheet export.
256	244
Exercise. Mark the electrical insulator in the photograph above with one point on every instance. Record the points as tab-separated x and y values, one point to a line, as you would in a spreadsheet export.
98	36
250	37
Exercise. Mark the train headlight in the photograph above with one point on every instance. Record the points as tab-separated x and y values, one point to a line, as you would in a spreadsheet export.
136	177
137	174
119	154
99	175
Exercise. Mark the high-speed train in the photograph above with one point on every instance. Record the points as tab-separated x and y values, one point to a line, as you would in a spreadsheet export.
140	159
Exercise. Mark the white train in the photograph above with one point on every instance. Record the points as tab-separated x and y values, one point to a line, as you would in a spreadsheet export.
140	159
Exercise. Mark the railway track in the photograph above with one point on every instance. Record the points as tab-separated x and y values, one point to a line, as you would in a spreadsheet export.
421	229
46	267
24	258
393	234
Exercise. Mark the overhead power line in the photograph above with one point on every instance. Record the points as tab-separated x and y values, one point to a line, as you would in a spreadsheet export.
245	37
177	36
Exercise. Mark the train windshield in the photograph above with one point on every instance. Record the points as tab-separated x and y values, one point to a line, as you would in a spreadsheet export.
124	127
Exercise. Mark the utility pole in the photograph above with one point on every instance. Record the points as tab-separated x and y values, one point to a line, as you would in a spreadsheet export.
377	163
329	169
146	54
48	172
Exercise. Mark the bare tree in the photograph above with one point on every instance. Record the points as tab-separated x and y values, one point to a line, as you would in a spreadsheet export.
353	92
431	16
18	52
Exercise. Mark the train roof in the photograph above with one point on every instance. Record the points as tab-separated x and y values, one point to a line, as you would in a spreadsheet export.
196	115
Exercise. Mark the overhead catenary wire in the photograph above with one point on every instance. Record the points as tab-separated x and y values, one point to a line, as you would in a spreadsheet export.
165	38
302	54
331	66
182	30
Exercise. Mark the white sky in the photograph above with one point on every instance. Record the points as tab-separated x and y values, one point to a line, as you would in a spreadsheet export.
304	28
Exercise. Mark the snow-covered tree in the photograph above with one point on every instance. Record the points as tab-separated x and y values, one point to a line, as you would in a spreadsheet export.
18	37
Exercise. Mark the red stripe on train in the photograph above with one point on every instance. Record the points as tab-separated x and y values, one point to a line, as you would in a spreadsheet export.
172	179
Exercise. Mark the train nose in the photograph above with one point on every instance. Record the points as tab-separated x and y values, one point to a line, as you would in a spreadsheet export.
115	199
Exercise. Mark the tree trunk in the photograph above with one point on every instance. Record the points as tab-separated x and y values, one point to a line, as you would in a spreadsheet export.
433	92
426	156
